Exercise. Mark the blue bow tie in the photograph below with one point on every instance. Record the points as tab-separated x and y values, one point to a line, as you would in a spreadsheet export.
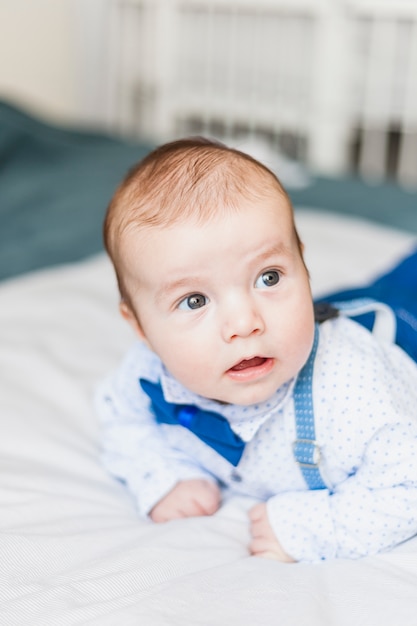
210	427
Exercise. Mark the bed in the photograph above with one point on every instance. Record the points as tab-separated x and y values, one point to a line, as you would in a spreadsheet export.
72	548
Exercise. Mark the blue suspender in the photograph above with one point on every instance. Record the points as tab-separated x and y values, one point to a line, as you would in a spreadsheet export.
305	448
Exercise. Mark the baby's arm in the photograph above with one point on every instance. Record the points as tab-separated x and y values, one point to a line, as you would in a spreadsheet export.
136	450
356	518
264	542
189	498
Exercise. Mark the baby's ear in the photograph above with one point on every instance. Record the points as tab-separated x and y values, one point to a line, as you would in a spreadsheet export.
130	317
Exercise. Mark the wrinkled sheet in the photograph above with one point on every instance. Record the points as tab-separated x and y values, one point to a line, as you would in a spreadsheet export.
73	550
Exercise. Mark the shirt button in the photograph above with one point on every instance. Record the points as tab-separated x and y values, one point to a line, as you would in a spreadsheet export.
237	478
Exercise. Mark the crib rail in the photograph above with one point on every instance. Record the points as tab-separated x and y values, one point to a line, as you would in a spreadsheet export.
329	82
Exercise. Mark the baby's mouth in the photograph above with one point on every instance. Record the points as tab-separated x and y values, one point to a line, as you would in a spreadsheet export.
256	361
249	370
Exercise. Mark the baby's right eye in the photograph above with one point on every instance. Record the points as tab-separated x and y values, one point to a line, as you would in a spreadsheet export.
195	301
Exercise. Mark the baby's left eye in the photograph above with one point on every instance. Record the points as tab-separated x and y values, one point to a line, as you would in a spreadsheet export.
270	278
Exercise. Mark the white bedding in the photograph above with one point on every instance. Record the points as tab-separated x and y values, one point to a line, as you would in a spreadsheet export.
72	549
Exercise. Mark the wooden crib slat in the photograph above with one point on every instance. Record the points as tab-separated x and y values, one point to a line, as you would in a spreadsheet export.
282	70
407	161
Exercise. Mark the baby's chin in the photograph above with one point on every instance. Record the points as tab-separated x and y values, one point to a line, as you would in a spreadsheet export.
240	393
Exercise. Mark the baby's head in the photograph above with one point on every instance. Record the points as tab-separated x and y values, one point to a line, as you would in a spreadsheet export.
189	179
210	269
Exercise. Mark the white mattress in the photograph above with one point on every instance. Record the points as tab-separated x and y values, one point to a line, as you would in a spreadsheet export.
72	549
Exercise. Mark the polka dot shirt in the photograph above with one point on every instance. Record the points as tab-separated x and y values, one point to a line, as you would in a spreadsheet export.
365	408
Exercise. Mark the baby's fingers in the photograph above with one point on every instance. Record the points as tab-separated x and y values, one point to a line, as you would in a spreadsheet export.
257	512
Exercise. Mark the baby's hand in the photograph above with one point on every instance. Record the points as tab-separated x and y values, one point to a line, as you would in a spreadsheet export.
264	542
189	498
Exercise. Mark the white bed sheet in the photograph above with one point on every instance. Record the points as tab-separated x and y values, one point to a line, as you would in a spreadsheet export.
72	549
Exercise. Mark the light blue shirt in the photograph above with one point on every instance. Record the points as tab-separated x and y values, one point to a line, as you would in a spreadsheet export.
365	406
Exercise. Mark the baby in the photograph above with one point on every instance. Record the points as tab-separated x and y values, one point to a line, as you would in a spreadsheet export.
233	383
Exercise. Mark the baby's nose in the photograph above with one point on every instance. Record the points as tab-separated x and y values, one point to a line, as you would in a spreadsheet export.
242	321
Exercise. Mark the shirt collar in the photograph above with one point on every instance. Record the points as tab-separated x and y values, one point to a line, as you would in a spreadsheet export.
244	420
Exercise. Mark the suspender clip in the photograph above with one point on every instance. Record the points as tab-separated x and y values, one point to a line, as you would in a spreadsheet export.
307	453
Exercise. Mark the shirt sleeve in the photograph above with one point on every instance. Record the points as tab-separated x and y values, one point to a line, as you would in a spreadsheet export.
372	510
134	448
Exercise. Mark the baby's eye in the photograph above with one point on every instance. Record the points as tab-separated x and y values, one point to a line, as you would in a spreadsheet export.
195	301
270	278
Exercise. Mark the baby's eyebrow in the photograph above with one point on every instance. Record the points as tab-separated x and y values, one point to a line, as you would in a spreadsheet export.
171	286
275	249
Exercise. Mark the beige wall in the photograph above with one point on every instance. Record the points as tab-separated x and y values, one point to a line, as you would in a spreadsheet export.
38	56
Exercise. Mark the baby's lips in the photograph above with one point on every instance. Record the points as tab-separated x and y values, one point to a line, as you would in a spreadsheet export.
255	361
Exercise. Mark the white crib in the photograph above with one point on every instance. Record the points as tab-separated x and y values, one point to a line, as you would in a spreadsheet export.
331	83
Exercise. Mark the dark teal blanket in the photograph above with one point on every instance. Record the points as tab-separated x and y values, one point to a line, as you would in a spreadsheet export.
55	184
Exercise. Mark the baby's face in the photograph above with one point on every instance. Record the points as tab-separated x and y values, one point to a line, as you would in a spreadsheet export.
225	304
